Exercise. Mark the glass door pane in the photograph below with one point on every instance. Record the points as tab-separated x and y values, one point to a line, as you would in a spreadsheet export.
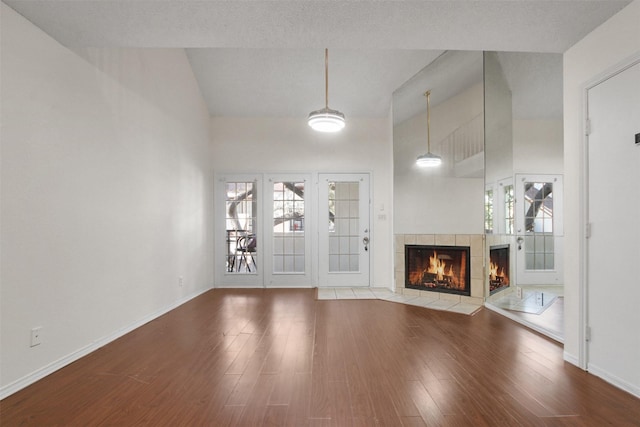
538	220
288	227
344	235
241	227
344	226
538	209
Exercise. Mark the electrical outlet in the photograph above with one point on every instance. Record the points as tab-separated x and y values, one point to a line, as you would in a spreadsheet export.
36	336
519	292
180	281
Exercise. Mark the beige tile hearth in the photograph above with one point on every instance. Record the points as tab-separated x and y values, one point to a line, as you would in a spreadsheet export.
431	300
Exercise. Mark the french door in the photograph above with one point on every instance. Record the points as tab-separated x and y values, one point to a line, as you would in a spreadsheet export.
238	213
288	222
267	232
344	231
539	229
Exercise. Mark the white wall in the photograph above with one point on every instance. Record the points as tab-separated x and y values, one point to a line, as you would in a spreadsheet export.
430	200
106	195
498	117
614	41
538	146
252	145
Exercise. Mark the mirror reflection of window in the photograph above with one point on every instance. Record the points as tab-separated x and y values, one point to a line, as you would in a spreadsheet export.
488	211
508	208
538	206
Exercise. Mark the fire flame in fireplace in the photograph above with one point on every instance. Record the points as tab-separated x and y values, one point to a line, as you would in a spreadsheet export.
437	269
493	270
438	266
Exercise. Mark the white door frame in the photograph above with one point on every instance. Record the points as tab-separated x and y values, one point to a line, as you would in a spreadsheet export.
361	278
586	286
305	279
223	277
261	278
584	205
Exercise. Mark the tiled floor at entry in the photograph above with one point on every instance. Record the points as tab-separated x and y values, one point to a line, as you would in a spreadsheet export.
387	295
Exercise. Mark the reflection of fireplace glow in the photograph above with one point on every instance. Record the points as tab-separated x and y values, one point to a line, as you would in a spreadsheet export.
498	268
438	268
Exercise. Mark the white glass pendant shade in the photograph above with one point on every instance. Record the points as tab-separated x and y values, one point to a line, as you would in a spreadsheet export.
326	120
428	160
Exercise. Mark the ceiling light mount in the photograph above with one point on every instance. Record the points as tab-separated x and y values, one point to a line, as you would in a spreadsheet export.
326	119
429	159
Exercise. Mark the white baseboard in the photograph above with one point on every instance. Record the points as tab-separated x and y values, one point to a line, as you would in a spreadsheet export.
571	359
40	373
614	380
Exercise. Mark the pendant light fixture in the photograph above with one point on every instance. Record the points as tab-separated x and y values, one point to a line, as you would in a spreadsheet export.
429	159
326	120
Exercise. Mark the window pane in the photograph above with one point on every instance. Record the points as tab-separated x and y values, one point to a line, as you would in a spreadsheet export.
539	224
288	227
240	221
344	227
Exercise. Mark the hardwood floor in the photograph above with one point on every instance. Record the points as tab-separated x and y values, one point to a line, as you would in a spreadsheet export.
279	357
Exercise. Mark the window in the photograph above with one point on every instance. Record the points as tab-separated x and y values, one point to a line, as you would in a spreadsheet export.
538	224
344	226
241	207
288	227
488	211
508	208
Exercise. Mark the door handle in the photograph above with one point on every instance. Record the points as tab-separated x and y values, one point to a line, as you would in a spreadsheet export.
365	241
520	240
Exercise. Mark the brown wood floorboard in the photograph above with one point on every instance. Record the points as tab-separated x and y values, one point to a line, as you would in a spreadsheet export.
255	357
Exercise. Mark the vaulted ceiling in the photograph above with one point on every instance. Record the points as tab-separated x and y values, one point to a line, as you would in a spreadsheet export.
265	58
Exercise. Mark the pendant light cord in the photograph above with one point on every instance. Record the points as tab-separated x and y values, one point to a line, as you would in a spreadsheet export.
326	78
428	95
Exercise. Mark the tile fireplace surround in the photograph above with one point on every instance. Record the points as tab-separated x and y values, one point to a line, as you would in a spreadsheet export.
474	241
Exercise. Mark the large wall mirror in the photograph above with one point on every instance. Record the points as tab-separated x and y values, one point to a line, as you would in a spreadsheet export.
496	121
523	186
446	199
440	209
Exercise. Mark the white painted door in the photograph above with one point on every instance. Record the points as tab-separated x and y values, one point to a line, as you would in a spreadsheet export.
288	230
344	236
613	288
539	229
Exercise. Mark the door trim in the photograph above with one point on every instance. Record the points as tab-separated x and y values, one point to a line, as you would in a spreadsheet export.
583	188
323	264
222	278
282	280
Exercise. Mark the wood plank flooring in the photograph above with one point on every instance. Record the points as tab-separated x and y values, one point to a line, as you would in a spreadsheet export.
281	358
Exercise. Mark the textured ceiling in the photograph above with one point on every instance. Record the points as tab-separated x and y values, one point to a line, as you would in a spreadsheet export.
290	82
265	58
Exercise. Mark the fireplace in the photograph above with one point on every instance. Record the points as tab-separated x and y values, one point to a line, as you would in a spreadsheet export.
498	268
438	268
